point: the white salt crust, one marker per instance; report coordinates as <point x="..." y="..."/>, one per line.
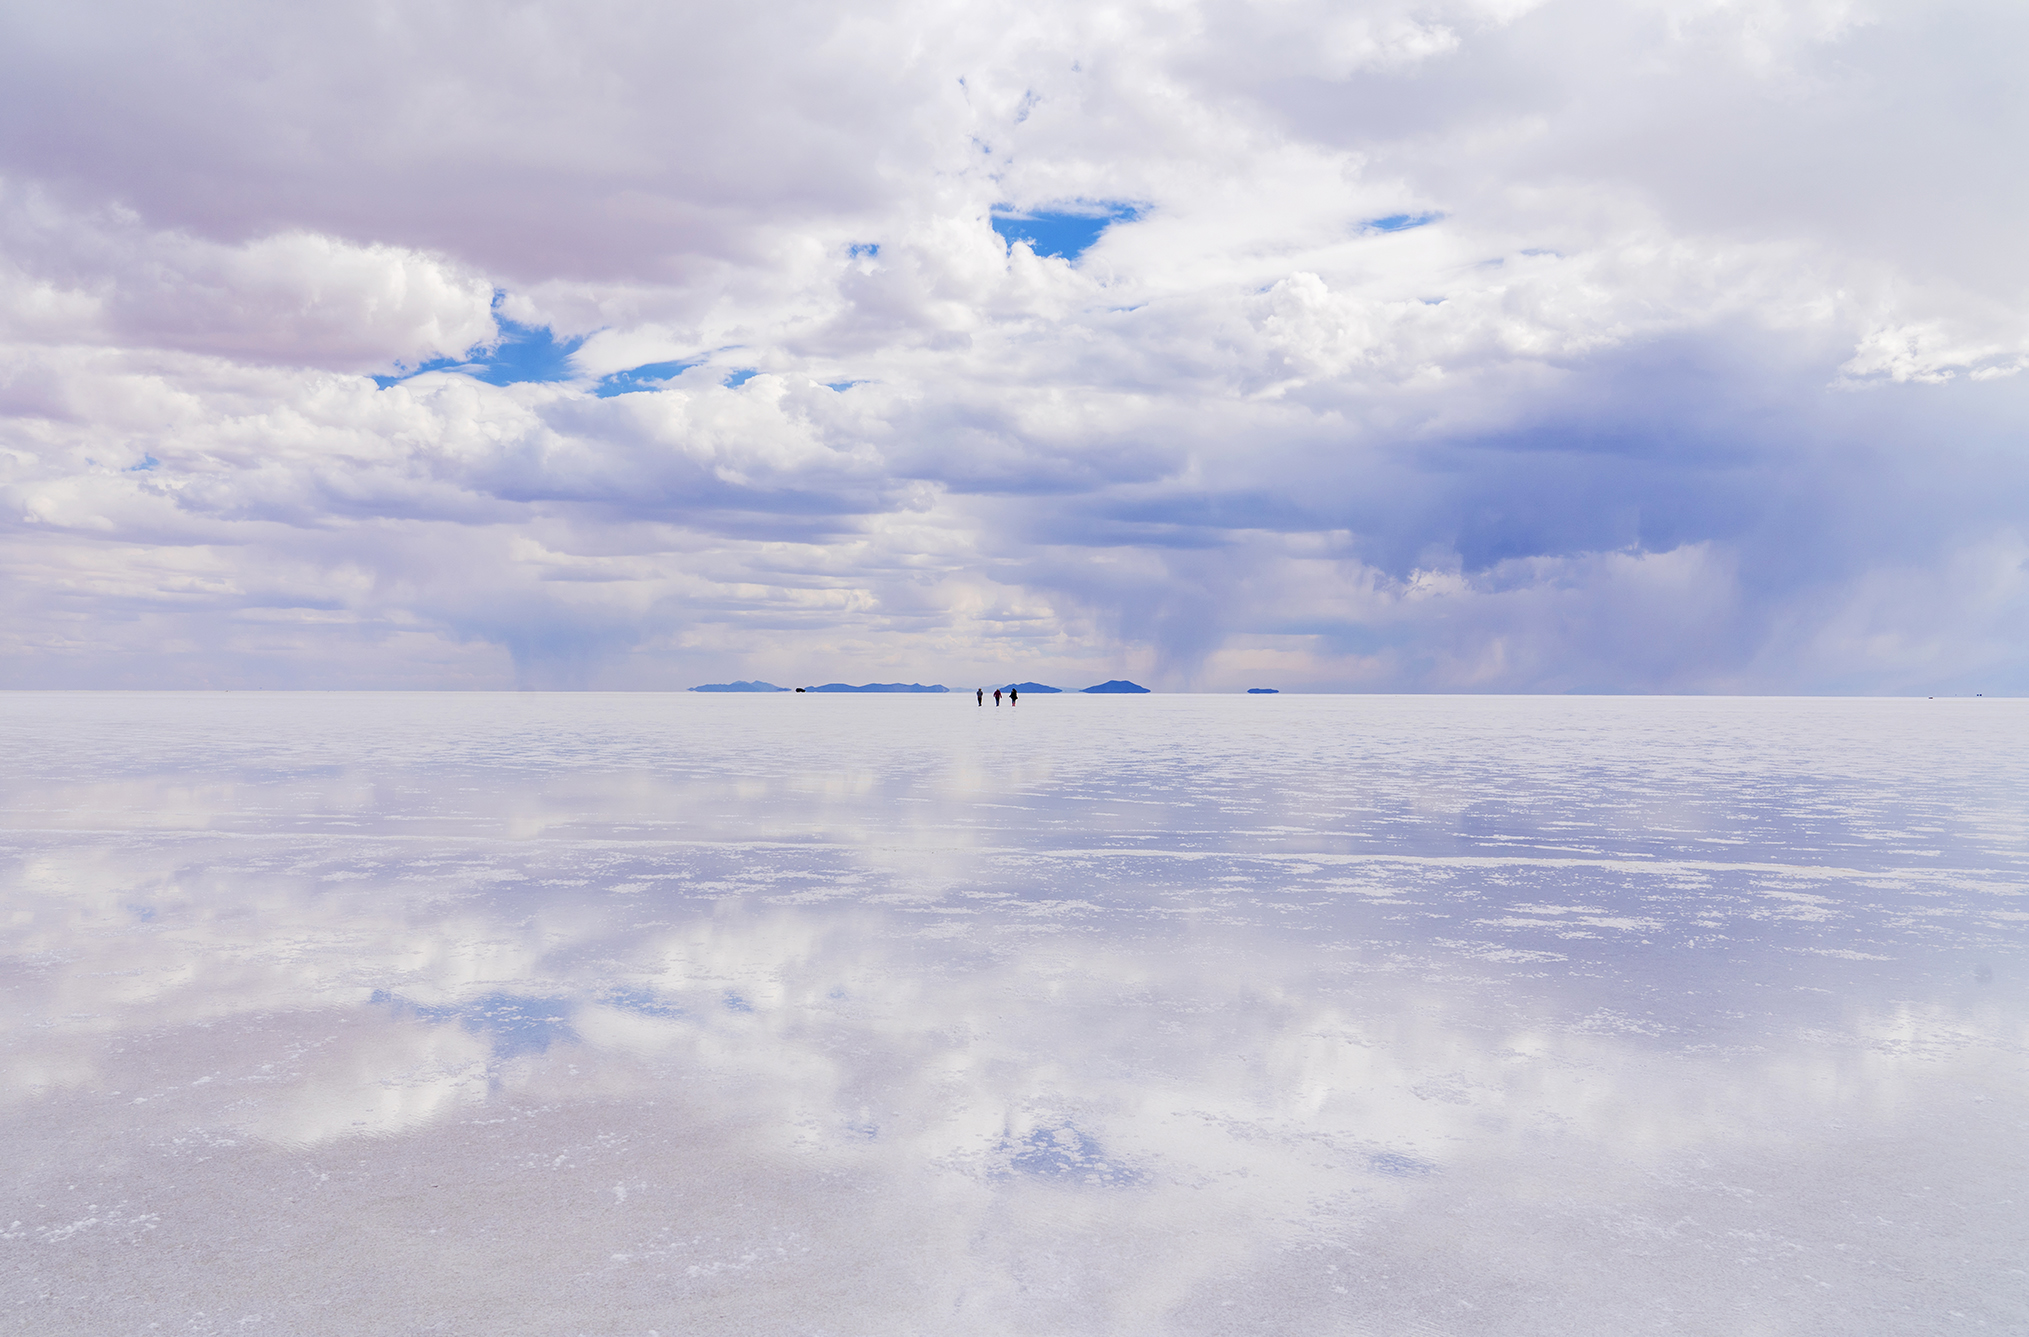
<point x="639" y="1014"/>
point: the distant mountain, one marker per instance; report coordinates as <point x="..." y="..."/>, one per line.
<point x="880" y="687"/>
<point x="1035" y="687"/>
<point x="1263" y="691"/>
<point x="739" y="687"/>
<point x="1118" y="685"/>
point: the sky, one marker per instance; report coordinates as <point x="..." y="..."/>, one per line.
<point x="1472" y="345"/>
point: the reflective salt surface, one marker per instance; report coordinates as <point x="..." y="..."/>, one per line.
<point x="750" y="1015"/>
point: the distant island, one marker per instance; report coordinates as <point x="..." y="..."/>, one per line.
<point x="1263" y="691"/>
<point x="1117" y="685"/>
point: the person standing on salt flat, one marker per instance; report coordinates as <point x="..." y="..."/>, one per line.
<point x="996" y="696"/>
<point x="1014" y="694"/>
<point x="981" y="694"/>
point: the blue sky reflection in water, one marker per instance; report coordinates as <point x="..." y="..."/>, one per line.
<point x="889" y="1015"/>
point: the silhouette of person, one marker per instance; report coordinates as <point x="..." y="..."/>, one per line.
<point x="982" y="696"/>
<point x="1014" y="695"/>
<point x="996" y="696"/>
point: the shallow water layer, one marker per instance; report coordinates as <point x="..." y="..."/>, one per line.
<point x="634" y="1014"/>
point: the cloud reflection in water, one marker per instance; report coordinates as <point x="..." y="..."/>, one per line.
<point x="1337" y="1029"/>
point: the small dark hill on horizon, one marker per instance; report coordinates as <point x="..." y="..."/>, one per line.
<point x="880" y="687"/>
<point x="1034" y="687"/>
<point x="1264" y="691"/>
<point x="756" y="686"/>
<point x="1117" y="685"/>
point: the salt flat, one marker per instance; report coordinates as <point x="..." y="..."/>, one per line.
<point x="640" y="1014"/>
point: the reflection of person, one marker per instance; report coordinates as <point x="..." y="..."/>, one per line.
<point x="996" y="696"/>
<point x="1014" y="694"/>
<point x="981" y="694"/>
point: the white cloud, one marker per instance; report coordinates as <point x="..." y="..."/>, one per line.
<point x="1502" y="346"/>
<point x="103" y="278"/>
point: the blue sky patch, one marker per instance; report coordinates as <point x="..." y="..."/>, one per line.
<point x="147" y="462"/>
<point x="647" y="376"/>
<point x="740" y="378"/>
<point x="1064" y="232"/>
<point x="1399" y="222"/>
<point x="869" y="249"/>
<point x="517" y="353"/>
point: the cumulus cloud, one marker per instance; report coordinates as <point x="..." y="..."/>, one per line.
<point x="1492" y="346"/>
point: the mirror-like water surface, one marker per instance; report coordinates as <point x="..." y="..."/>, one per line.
<point x="749" y="1015"/>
